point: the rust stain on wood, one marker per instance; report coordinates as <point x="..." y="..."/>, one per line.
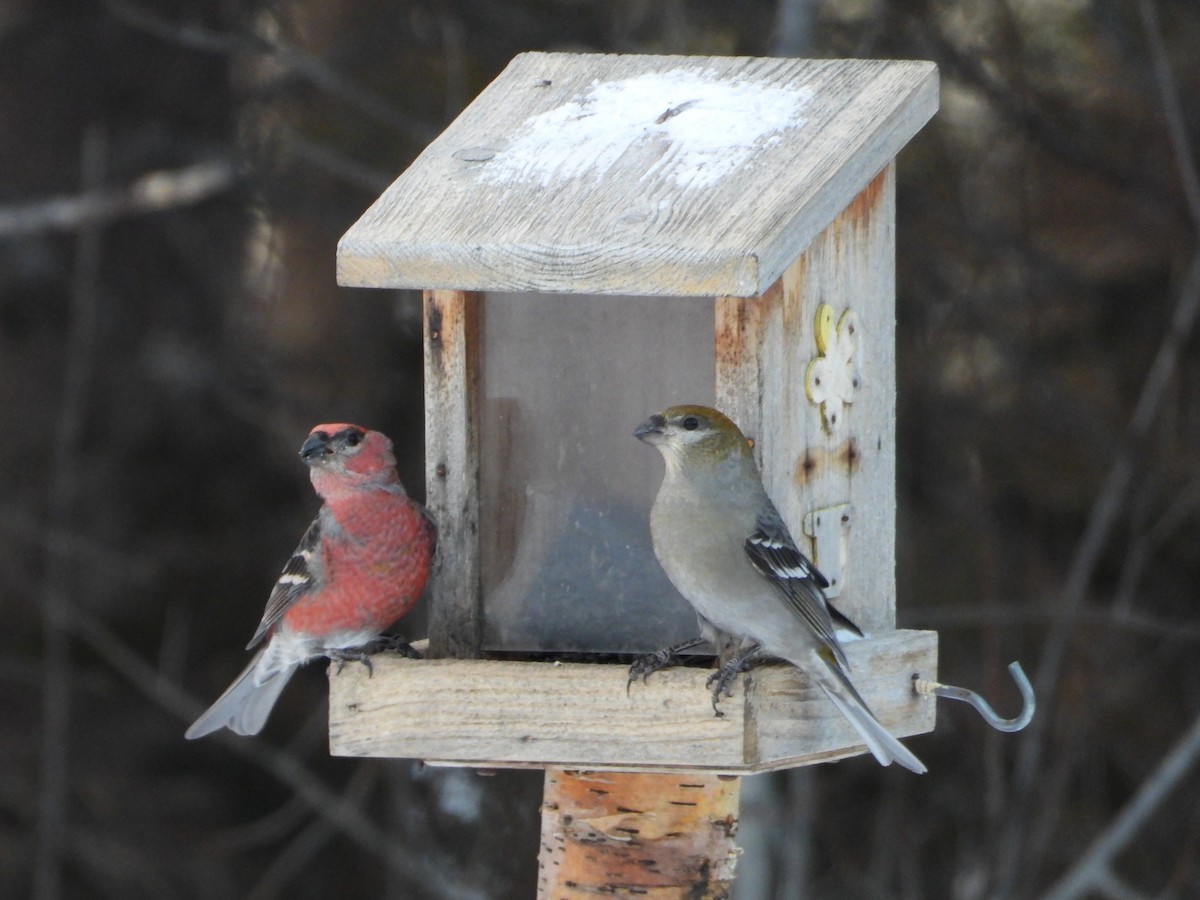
<point x="451" y="327"/>
<point x="862" y="210"/>
<point x="814" y="461"/>
<point x="738" y="326"/>
<point x="435" y="305"/>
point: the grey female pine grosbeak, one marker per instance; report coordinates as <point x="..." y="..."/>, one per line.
<point x="726" y="549"/>
<point x="360" y="566"/>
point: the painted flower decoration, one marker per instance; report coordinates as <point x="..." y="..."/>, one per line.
<point x="832" y="378"/>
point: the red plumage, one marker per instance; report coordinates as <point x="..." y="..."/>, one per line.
<point x="361" y="565"/>
<point x="374" y="574"/>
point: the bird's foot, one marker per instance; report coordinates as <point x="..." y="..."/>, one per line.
<point x="394" y="643"/>
<point x="341" y="656"/>
<point x="721" y="684"/>
<point x="647" y="664"/>
<point x="721" y="681"/>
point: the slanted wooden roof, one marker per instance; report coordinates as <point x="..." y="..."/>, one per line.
<point x="653" y="175"/>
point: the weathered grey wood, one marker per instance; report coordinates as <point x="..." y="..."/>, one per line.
<point x="806" y="218"/>
<point x="481" y="209"/>
<point x="452" y="469"/>
<point x="764" y="347"/>
<point x="498" y="714"/>
<point x="738" y="352"/>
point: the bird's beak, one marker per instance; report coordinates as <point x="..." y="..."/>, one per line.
<point x="316" y="449"/>
<point x="651" y="431"/>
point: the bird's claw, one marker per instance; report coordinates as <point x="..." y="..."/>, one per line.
<point x="721" y="681"/>
<point x="342" y="656"/>
<point x="397" y="644"/>
<point x="393" y="642"/>
<point x="647" y="664"/>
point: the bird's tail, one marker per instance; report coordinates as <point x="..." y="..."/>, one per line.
<point x="245" y="705"/>
<point x="885" y="748"/>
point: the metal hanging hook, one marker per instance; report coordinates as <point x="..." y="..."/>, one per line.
<point x="982" y="706"/>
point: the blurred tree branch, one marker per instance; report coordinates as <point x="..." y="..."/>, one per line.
<point x="1185" y="158"/>
<point x="1026" y="111"/>
<point x="59" y="578"/>
<point x="95" y="206"/>
<point x="1041" y="612"/>
<point x="428" y="867"/>
<point x="304" y="65"/>
<point x="1102" y="522"/>
<point x="1094" y="868"/>
<point x="1112" y="497"/>
<point x="299" y="852"/>
<point x="66" y="543"/>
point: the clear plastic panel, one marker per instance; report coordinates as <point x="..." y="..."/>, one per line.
<point x="566" y="489"/>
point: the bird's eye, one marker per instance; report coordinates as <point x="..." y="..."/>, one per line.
<point x="354" y="438"/>
<point x="691" y="423"/>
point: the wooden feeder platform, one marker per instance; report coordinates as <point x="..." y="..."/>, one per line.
<point x="494" y="714"/>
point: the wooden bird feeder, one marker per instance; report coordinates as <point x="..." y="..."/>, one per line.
<point x="599" y="237"/>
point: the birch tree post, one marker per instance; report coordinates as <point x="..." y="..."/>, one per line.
<point x="599" y="237"/>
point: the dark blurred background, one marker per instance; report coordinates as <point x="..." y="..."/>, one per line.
<point x="173" y="180"/>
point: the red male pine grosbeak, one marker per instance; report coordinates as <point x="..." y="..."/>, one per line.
<point x="361" y="565"/>
<point x="725" y="548"/>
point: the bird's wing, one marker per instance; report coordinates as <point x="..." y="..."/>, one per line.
<point x="777" y="558"/>
<point x="296" y="580"/>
